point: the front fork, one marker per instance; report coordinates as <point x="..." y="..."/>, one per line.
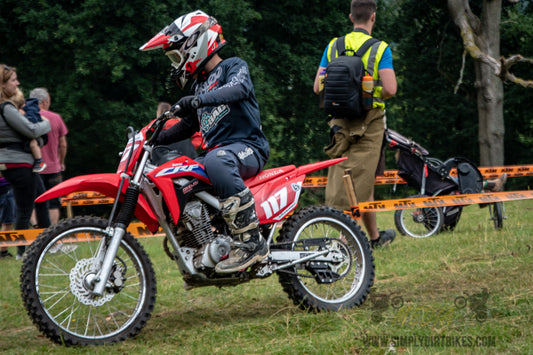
<point x="117" y="232"/>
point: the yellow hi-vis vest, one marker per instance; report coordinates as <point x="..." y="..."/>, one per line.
<point x="353" y="41"/>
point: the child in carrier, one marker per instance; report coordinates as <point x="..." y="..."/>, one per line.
<point x="30" y="109"/>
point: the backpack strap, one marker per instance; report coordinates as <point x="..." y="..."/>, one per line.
<point x="364" y="47"/>
<point x="341" y="49"/>
<point x="372" y="58"/>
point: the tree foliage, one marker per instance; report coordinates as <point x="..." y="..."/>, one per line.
<point x="87" y="54"/>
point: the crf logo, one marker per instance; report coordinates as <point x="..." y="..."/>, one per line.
<point x="275" y="203"/>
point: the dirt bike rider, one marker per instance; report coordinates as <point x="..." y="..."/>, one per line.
<point x="224" y="107"/>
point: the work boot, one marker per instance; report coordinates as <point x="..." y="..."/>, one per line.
<point x="385" y="238"/>
<point x="496" y="185"/>
<point x="249" y="247"/>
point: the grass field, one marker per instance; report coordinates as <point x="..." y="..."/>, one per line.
<point x="469" y="291"/>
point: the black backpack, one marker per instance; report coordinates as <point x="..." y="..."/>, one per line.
<point x="343" y="82"/>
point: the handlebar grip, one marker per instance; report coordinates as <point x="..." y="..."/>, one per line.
<point x="175" y="109"/>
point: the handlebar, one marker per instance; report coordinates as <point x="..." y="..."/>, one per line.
<point x="159" y="123"/>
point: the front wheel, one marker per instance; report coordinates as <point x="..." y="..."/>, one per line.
<point x="419" y="222"/>
<point x="56" y="281"/>
<point x="352" y="275"/>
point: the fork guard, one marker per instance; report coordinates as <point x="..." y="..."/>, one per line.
<point x="106" y="184"/>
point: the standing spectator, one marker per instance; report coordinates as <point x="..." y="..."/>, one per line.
<point x="162" y="107"/>
<point x="16" y="163"/>
<point x="55" y="151"/>
<point x="361" y="139"/>
<point x="7" y="212"/>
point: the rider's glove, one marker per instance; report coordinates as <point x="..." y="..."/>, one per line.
<point x="187" y="104"/>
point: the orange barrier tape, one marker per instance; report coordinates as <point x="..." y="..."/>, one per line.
<point x="27" y="236"/>
<point x="89" y="201"/>
<point x="82" y="195"/>
<point x="441" y="201"/>
<point x="391" y="177"/>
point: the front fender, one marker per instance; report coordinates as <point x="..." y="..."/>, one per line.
<point x="106" y="184"/>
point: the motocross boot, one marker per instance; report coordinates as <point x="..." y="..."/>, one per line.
<point x="249" y="246"/>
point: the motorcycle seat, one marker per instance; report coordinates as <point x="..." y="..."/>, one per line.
<point x="267" y="175"/>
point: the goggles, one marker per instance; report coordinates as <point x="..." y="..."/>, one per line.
<point x="176" y="58"/>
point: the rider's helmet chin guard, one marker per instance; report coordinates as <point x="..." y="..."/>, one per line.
<point x="189" y="42"/>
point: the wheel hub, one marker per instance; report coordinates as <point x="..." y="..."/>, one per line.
<point x="419" y="217"/>
<point x="82" y="278"/>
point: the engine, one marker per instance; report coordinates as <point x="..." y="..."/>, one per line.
<point x="195" y="231"/>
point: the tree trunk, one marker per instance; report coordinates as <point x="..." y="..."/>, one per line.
<point x="482" y="41"/>
<point x="490" y="115"/>
<point x="490" y="88"/>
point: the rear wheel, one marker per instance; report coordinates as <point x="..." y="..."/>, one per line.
<point x="348" y="279"/>
<point x="496" y="211"/>
<point x="419" y="222"/>
<point x="56" y="285"/>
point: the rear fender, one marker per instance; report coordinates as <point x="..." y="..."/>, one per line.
<point x="106" y="184"/>
<point x="309" y="168"/>
<point x="279" y="194"/>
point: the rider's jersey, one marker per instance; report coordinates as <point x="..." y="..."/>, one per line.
<point x="230" y="112"/>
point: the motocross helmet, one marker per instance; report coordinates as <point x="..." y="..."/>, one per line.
<point x="189" y="42"/>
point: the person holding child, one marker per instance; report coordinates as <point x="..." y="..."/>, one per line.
<point x="16" y="162"/>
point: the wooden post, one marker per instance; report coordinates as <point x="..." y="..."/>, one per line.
<point x="69" y="210"/>
<point x="350" y="192"/>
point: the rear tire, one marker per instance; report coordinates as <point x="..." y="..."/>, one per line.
<point x="496" y="211"/>
<point x="419" y="222"/>
<point x="356" y="270"/>
<point x="55" y="289"/>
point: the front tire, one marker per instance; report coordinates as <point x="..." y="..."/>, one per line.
<point x="356" y="271"/>
<point x="55" y="285"/>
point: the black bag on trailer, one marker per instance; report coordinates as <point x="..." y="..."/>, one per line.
<point x="411" y="169"/>
<point x="470" y="181"/>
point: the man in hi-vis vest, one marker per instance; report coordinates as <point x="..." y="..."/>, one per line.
<point x="361" y="140"/>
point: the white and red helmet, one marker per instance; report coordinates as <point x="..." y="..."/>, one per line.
<point x="189" y="42"/>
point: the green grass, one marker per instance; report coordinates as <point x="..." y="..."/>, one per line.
<point x="426" y="275"/>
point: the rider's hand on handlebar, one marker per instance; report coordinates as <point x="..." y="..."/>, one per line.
<point x="186" y="105"/>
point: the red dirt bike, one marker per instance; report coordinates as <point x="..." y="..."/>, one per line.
<point x="87" y="281"/>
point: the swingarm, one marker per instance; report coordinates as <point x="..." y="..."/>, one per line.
<point x="320" y="250"/>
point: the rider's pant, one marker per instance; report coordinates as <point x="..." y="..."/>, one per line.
<point x="229" y="165"/>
